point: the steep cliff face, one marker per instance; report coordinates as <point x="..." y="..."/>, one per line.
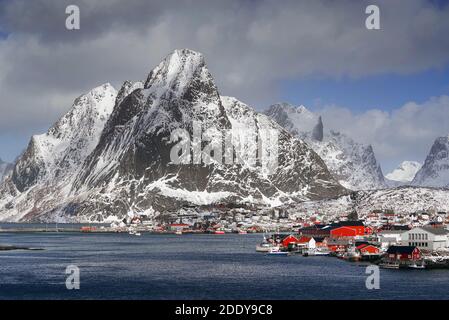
<point x="435" y="170"/>
<point x="108" y="162"/>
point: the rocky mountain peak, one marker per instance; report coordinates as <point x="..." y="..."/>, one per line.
<point x="177" y="73"/>
<point x="435" y="170"/>
<point x="318" y="130"/>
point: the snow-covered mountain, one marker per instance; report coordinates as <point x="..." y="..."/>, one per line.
<point x="5" y="169"/>
<point x="404" y="173"/>
<point x="435" y="170"/>
<point x="111" y="153"/>
<point x="353" y="164"/>
<point x="43" y="174"/>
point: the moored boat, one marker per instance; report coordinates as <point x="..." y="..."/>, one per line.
<point x="277" y="251"/>
<point x="389" y="265"/>
<point x="417" y="266"/>
<point x="265" y="247"/>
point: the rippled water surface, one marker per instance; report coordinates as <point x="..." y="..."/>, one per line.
<point x="121" y="266"/>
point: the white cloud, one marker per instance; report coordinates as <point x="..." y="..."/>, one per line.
<point x="406" y="133"/>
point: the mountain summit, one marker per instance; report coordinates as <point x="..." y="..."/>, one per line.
<point x="112" y="153"/>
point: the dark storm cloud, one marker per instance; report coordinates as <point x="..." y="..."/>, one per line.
<point x="250" y="46"/>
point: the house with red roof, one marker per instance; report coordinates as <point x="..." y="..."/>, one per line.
<point x="368" y="249"/>
<point x="290" y="239"/>
<point x="307" y="242"/>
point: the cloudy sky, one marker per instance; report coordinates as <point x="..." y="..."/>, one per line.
<point x="387" y="87"/>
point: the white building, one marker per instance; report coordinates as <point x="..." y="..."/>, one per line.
<point x="426" y="238"/>
<point x="389" y="238"/>
<point x="307" y="242"/>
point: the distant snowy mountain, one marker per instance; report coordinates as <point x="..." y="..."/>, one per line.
<point x="404" y="173"/>
<point x="354" y="165"/>
<point x="5" y="169"/>
<point x="297" y="120"/>
<point x="111" y="153"/>
<point x="435" y="170"/>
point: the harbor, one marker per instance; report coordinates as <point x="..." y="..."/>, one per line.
<point x="353" y="242"/>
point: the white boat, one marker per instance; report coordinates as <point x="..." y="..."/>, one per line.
<point x="320" y="253"/>
<point x="134" y="232"/>
<point x="389" y="265"/>
<point x="416" y="266"/>
<point x="276" y="251"/>
<point x="178" y="232"/>
<point x="265" y="247"/>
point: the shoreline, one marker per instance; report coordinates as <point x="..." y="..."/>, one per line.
<point x="73" y="230"/>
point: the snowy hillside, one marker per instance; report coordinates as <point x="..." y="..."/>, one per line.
<point x="400" y="200"/>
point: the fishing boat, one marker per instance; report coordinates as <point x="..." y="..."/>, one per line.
<point x="389" y="265"/>
<point x="276" y="251"/>
<point x="351" y="254"/>
<point x="265" y="245"/>
<point x="134" y="233"/>
<point x="219" y="232"/>
<point x="417" y="266"/>
<point x="178" y="232"/>
<point x="321" y="253"/>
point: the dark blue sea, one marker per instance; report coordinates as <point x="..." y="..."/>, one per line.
<point x="122" y="266"/>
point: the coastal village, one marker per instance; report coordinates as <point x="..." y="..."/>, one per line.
<point x="393" y="240"/>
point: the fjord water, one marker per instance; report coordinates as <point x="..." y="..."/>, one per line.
<point x="122" y="266"/>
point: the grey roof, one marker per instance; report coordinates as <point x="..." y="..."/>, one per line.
<point x="401" y="249"/>
<point x="392" y="231"/>
<point x="436" y="231"/>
